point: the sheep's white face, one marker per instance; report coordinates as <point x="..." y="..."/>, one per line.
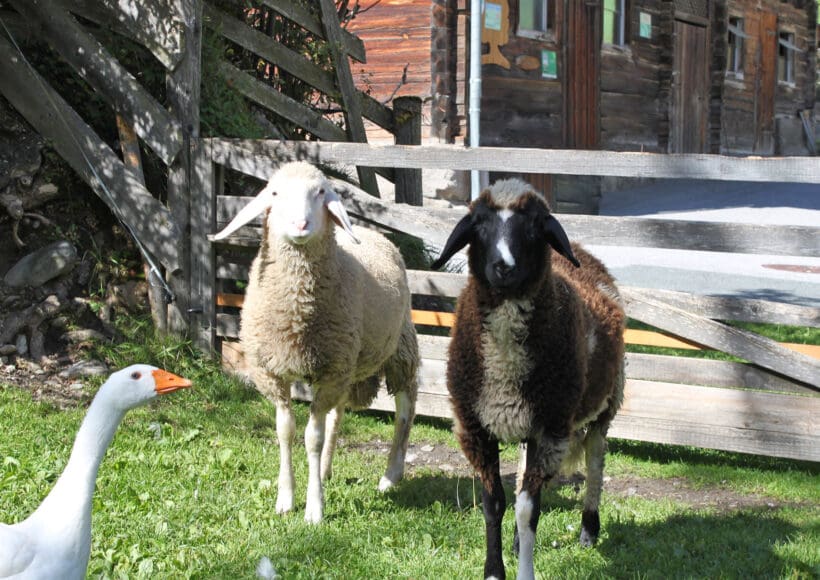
<point x="299" y="201"/>
<point x="297" y="213"/>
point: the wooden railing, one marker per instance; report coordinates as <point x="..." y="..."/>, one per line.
<point x="765" y="401"/>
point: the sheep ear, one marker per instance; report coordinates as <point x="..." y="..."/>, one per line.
<point x="262" y="201"/>
<point x="557" y="238"/>
<point x="337" y="210"/>
<point x="461" y="235"/>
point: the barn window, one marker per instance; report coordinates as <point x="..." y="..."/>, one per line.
<point x="785" y="57"/>
<point x="615" y="22"/>
<point x="535" y="17"/>
<point x="735" y="49"/>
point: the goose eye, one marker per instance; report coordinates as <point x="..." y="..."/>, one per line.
<point x="321" y="192"/>
<point x="136" y="375"/>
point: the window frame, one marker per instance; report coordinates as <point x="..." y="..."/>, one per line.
<point x="786" y="52"/>
<point x="549" y="24"/>
<point x="736" y="51"/>
<point x="621" y="29"/>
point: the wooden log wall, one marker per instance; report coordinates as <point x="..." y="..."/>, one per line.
<point x="741" y="94"/>
<point x="631" y="106"/>
<point x="397" y="39"/>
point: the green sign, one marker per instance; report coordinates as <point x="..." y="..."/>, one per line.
<point x="549" y="64"/>
<point x="645" y="28"/>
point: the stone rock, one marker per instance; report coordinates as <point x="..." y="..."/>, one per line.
<point x="21" y="345"/>
<point x="7" y="349"/>
<point x="86" y="368"/>
<point x="45" y="264"/>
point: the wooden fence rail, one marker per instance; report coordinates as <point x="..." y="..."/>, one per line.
<point x="763" y="402"/>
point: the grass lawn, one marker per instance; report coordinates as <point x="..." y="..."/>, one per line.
<point x="187" y="490"/>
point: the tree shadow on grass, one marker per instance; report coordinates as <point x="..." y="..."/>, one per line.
<point x="691" y="544"/>
<point x="702" y="545"/>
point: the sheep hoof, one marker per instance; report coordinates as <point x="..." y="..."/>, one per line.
<point x="313" y="514"/>
<point x="385" y="483"/>
<point x="284" y="505"/>
<point x="587" y="539"/>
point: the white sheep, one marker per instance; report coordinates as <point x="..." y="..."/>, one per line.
<point x="536" y="356"/>
<point x="330" y="310"/>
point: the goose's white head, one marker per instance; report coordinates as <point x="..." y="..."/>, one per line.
<point x="138" y="384"/>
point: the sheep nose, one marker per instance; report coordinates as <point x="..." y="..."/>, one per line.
<point x="301" y="225"/>
<point x="502" y="269"/>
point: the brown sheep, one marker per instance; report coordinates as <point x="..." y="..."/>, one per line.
<point x="536" y="356"/>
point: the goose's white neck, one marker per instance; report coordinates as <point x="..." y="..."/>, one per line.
<point x="65" y="514"/>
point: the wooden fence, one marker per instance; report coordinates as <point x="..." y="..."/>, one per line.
<point x="766" y="403"/>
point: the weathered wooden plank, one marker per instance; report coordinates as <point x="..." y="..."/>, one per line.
<point x="559" y="161"/>
<point x="157" y="128"/>
<point x="281" y="104"/>
<point x="294" y="11"/>
<point x="727" y="419"/>
<point x="344" y="81"/>
<point x="708" y="373"/>
<point x="294" y="63"/>
<point x="745" y="345"/>
<point x="203" y="253"/>
<point x="152" y="23"/>
<point x="728" y="308"/>
<point x="89" y="156"/>
<point x="182" y="87"/>
<point x="131" y="157"/>
<point x="716" y="307"/>
<point x="668" y="369"/>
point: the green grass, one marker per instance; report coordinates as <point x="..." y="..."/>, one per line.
<point x="196" y="498"/>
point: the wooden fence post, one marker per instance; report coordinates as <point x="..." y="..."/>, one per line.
<point x="182" y="86"/>
<point x="407" y="121"/>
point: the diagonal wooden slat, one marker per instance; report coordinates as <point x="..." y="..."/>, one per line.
<point x="353" y="45"/>
<point x="155" y="126"/>
<point x="89" y="156"/>
<point x="344" y="81"/>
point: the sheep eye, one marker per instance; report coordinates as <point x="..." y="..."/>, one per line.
<point x="136" y="375"/>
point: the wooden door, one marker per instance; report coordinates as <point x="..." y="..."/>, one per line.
<point x="766" y="83"/>
<point x="690" y="89"/>
<point x="582" y="74"/>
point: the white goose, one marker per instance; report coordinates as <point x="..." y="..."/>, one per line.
<point x="55" y="541"/>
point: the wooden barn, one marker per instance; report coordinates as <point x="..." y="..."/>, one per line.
<point x="734" y="77"/>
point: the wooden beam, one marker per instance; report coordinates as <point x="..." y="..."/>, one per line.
<point x="151" y="23"/>
<point x="131" y="157"/>
<point x="89" y="156"/>
<point x="434" y="225"/>
<point x="296" y="64"/>
<point x="730" y="308"/>
<point x="281" y="104"/>
<point x="203" y="254"/>
<point x="294" y="11"/>
<point x="351" y="106"/>
<point x="182" y="87"/>
<point x="740" y="343"/>
<point x="558" y="161"/>
<point x="115" y="85"/>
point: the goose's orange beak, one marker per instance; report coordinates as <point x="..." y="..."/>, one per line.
<point x="168" y="382"/>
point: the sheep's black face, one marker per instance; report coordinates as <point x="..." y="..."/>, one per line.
<point x="508" y="249"/>
<point x="509" y="242"/>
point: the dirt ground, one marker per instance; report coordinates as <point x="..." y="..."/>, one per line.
<point x="425" y="457"/>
